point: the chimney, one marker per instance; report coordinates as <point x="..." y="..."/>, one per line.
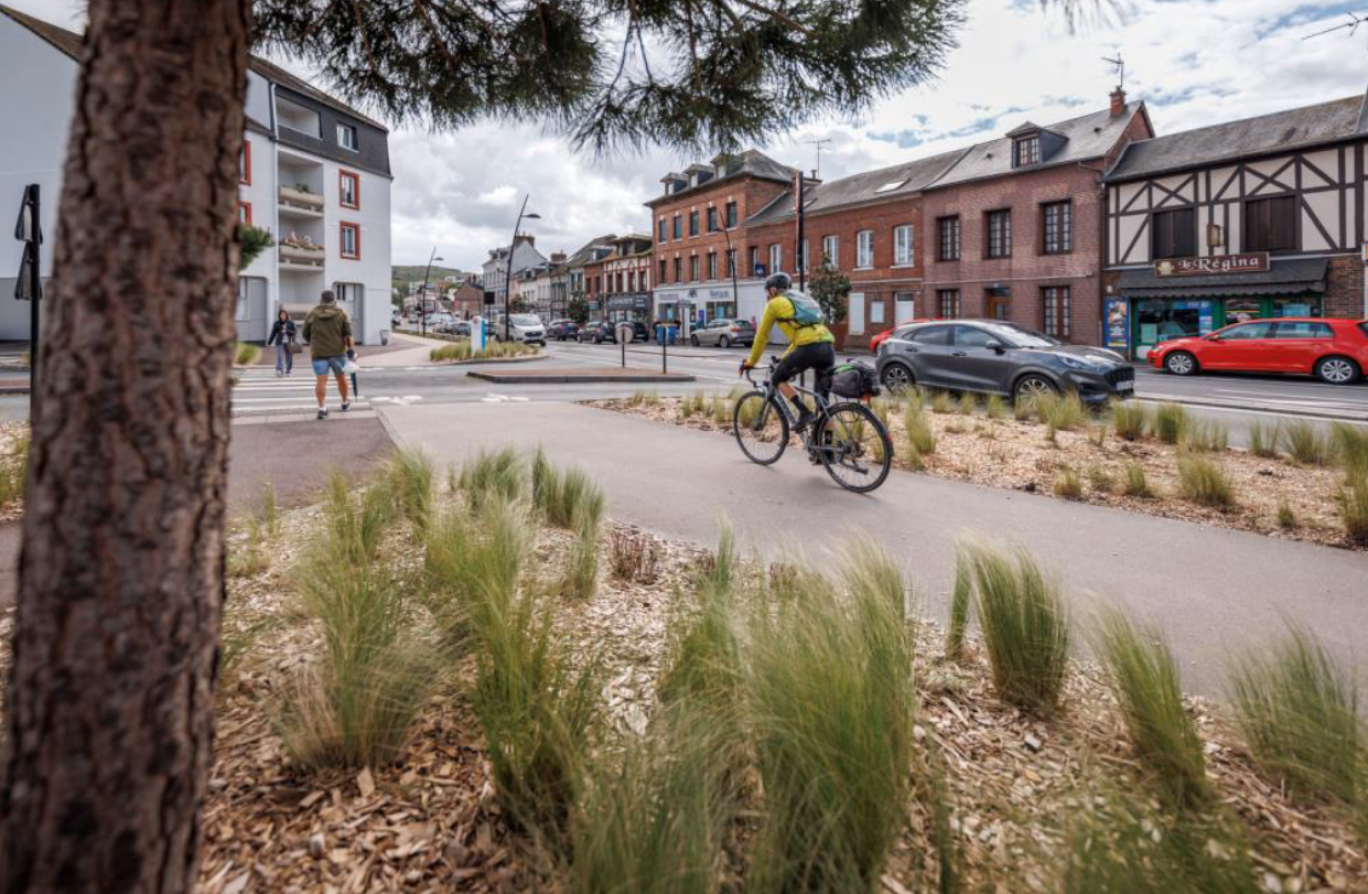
<point x="557" y="257"/>
<point x="1118" y="102"/>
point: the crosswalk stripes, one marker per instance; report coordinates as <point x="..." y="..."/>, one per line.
<point x="262" y="391"/>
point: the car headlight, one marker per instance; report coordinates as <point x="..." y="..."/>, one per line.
<point x="1073" y="362"/>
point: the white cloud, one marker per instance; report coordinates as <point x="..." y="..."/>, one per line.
<point x="1195" y="62"/>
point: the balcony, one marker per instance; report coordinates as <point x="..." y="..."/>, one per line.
<point x="300" y="201"/>
<point x="302" y="255"/>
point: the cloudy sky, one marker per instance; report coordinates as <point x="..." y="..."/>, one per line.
<point x="1195" y="62"/>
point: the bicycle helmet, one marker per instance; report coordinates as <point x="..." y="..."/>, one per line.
<point x="781" y="281"/>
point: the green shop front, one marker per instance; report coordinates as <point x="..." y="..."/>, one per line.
<point x="1195" y="296"/>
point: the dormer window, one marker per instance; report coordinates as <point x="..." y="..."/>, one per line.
<point x="1026" y="151"/>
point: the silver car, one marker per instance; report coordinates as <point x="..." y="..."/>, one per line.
<point x="723" y="334"/>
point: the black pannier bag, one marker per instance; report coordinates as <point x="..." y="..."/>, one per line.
<point x="854" y="380"/>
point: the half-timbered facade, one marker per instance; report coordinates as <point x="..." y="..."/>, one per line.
<point x="1262" y="217"/>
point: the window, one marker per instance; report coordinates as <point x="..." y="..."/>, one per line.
<point x="245" y="164"/>
<point x="664" y="271"/>
<point x="948" y="303"/>
<point x="300" y="119"/>
<point x="662" y="230"/>
<point x="346" y="137"/>
<point x="1026" y="151"/>
<point x="876" y="311"/>
<point x="754" y="260"/>
<point x="1056" y="301"/>
<point x="1271" y="224"/>
<point x="902" y="246"/>
<point x="678" y="229"/>
<point x="1057" y="226"/>
<point x="973" y="337"/>
<point x="693" y="268"/>
<point x="999" y="234"/>
<point x="1175" y="233"/>
<point x="1248" y="331"/>
<point x="949" y="238"/>
<point x="731" y="263"/>
<point x="712" y="219"/>
<point x="349" y="191"/>
<point x="712" y="265"/>
<point x="351" y="241"/>
<point x="349" y="293"/>
<point x="931" y="335"/>
<point x="1303" y="329"/>
<point x="831" y="251"/>
<point x="245" y="213"/>
<point x="776" y="258"/>
<point x="693" y="223"/>
<point x="731" y="215"/>
<point x="864" y="249"/>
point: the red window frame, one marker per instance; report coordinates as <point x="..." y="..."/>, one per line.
<point x="245" y="213"/>
<point x="245" y="163"/>
<point x="341" y="241"/>
<point x="355" y="178"/>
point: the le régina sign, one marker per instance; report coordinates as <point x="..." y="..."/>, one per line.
<point x="1254" y="262"/>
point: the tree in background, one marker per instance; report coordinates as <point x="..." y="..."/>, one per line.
<point x="108" y="723"/>
<point x="830" y="288"/>
<point x="578" y="308"/>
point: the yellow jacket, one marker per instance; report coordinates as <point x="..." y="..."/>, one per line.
<point x="780" y="310"/>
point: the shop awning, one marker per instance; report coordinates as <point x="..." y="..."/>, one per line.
<point x="1295" y="276"/>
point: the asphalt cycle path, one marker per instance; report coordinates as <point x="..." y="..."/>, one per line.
<point x="1210" y="589"/>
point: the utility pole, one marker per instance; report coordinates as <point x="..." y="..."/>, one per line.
<point x="508" y="279"/>
<point x="800" y="260"/>
<point x="817" y="172"/>
<point x="422" y="300"/>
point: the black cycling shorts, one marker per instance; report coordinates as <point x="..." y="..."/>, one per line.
<point x="819" y="356"/>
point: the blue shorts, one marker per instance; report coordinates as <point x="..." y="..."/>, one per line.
<point x="323" y="365"/>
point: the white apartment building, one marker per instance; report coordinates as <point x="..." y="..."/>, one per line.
<point x="314" y="172"/>
<point x="495" y="272"/>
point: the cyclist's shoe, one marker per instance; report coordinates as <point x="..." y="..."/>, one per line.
<point x="805" y="419"/>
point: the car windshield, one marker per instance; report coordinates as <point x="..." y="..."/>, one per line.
<point x="1020" y="337"/>
<point x="526" y="320"/>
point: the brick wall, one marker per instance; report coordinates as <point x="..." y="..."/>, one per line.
<point x="750" y="196"/>
<point x="1027" y="271"/>
<point x="1344" y="288"/>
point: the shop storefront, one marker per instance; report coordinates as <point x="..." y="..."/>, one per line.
<point x="629" y="308"/>
<point x="1146" y="307"/>
<point x="700" y="305"/>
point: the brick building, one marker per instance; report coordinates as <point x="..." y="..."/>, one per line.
<point x="1259" y="218"/>
<point x="1014" y="228"/>
<point x="698" y="224"/>
<point x="618" y="284"/>
<point x="869" y="227"/>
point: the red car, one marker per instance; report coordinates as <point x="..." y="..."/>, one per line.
<point x="1335" y="351"/>
<point x="887" y="334"/>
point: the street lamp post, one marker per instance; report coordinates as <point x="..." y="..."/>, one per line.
<point x="732" y="262"/>
<point x="426" y="274"/>
<point x="508" y="279"/>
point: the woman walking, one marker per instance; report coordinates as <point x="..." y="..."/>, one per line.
<point x="283" y="337"/>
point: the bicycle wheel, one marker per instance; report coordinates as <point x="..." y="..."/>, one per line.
<point x="854" y="447"/>
<point x="760" y="427"/>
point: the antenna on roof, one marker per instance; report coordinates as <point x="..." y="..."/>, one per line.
<point x="1120" y="64"/>
<point x="817" y="174"/>
<point x="1352" y="25"/>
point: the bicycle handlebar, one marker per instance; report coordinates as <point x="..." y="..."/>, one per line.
<point x="747" y="370"/>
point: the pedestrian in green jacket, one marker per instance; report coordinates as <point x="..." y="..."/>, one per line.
<point x="328" y="333"/>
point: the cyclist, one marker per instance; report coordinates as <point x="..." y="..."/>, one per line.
<point x="811" y="344"/>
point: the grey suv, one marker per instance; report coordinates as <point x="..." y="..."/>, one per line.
<point x="993" y="357"/>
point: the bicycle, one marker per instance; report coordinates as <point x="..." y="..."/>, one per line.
<point x="846" y="437"/>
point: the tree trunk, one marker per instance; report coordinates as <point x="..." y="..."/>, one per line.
<point x="108" y="720"/>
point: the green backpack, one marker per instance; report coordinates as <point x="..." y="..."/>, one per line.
<point x="806" y="311"/>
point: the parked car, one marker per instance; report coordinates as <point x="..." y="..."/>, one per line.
<point x="884" y="336"/>
<point x="993" y="357"/>
<point x="597" y="332"/>
<point x="526" y="328"/>
<point x="1335" y="351"/>
<point x="562" y="330"/>
<point x="724" y="334"/>
<point x="461" y="328"/>
<point x="440" y="323"/>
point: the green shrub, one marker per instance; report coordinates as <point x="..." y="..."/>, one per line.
<point x="582" y="566"/>
<point x="941" y="402"/>
<point x="1100" y="480"/>
<point x="1351" y="445"/>
<point x="961" y="599"/>
<point x="1168" y="422"/>
<point x="452" y="353"/>
<point x="411" y="482"/>
<point x="246" y="354"/>
<point x="473" y="563"/>
<point x="1206" y="436"/>
<point x="1307" y="445"/>
<point x="995" y="406"/>
<point x="921" y="438"/>
<point x="1287" y="519"/>
<point x="1025" y="408"/>
<point x="1024" y="628"/>
<point x="703" y="660"/>
<point x="1353" y="501"/>
<point x="270" y="516"/>
<point x="497" y="474"/>
<point x="967" y="403"/>
<point x="1067" y="484"/>
<point x="1203" y="481"/>
<point x="564" y="497"/>
<point x="460" y="351"/>
<point x="1135" y="484"/>
<point x="1061" y="412"/>
<point x="14" y="468"/>
<point x="1264" y="438"/>
<point x="1144" y="677"/>
<point x="1298" y="712"/>
<point x="358" y="520"/>
<point x="830" y="695"/>
<point x="1128" y="418"/>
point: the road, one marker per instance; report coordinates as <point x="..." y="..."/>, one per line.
<point x="1211" y="589"/>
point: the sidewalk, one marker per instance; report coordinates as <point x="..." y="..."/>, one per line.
<point x="1210" y="589"/>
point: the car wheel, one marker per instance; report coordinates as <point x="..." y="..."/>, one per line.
<point x="1032" y="386"/>
<point x="1180" y="363"/>
<point x="693" y="340"/>
<point x="1337" y="370"/>
<point x="724" y="342"/>
<point x="896" y="377"/>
